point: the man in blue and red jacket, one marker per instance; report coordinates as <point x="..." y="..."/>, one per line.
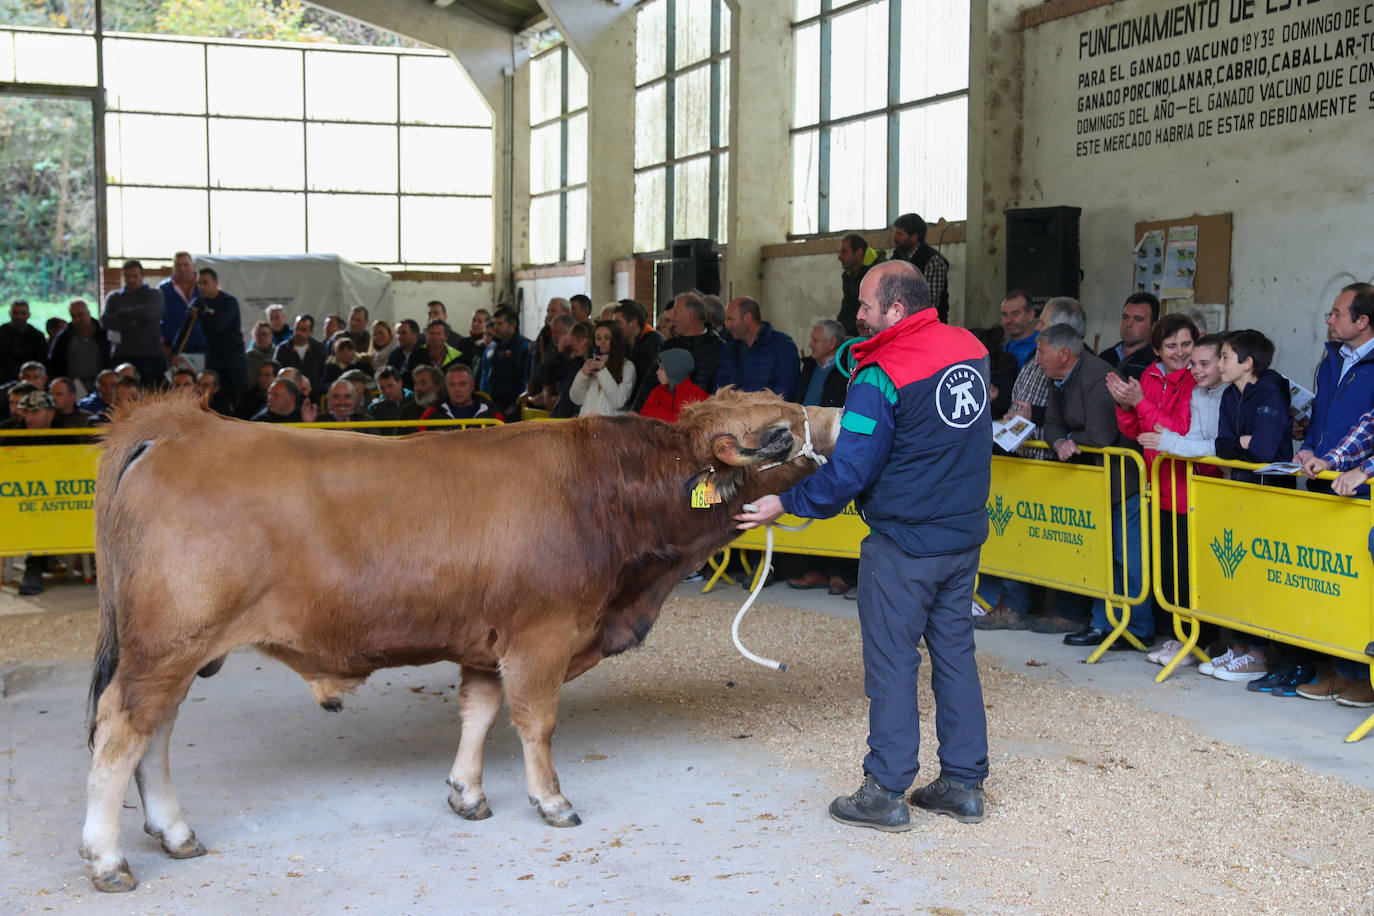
<point x="914" y="454"/>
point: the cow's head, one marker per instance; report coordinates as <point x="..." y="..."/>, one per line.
<point x="759" y="430"/>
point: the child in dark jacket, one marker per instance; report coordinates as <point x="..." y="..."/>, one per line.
<point x="1254" y="424"/>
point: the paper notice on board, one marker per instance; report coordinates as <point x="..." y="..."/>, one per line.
<point x="1149" y="262"/>
<point x="1180" y="262"/>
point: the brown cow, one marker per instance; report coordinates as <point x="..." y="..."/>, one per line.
<point x="609" y="495"/>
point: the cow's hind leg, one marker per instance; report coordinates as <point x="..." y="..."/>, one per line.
<point x="161" y="813"/>
<point x="118" y="748"/>
<point x="533" y="676"/>
<point x="480" y="696"/>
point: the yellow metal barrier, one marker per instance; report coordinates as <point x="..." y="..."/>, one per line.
<point x="1051" y="524"/>
<point x="1284" y="564"/>
<point x="47" y="492"/>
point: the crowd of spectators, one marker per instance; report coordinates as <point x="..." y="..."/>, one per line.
<point x="1169" y="388"/>
<point x="1166" y="387"/>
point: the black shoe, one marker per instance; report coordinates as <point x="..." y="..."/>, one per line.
<point x="1091" y="636"/>
<point x="1121" y="645"/>
<point x="873" y="806"/>
<point x="952" y="800"/>
<point x="32" y="583"/>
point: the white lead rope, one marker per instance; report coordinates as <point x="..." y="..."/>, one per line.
<point x="759" y="579"/>
<point x="807" y="451"/>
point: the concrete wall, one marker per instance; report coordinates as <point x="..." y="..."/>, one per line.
<point x="1298" y="190"/>
<point x="799" y="288"/>
<point x="539" y="286"/>
<point x="460" y="297"/>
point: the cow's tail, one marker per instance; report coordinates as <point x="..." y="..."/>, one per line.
<point x="120" y="453"/>
<point x="106" y="658"/>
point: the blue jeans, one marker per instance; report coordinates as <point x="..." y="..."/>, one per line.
<point x="1142" y="623"/>
<point x="1014" y="594"/>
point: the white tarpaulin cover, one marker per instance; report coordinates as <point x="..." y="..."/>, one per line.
<point x="314" y="284"/>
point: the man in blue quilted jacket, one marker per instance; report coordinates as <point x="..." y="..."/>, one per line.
<point x="756" y="356"/>
<point x="915" y="455"/>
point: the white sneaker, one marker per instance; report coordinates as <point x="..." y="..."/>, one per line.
<point x="978" y="610"/>
<point x="1220" y="661"/>
<point x="1241" y="668"/>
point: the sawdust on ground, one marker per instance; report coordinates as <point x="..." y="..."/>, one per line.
<point x="1095" y="804"/>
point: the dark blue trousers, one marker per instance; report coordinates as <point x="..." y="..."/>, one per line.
<point x="902" y="599"/>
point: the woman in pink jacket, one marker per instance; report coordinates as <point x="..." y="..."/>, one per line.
<point x="1160" y="401"/>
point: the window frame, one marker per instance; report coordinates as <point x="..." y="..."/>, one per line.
<point x="562" y="118"/>
<point x="892" y="111"/>
<point x="718" y="145"/>
<point x="397" y="125"/>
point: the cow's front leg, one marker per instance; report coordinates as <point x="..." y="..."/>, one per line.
<point x="533" y="679"/>
<point x="480" y="697"/>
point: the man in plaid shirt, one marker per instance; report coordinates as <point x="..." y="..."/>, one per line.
<point x="1354" y="455"/>
<point x="1010" y="599"/>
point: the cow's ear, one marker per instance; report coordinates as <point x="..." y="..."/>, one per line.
<point x="727" y="448"/>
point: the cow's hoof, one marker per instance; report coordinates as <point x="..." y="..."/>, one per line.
<point x="119" y="881"/>
<point x="566" y="818"/>
<point x="83" y="852"/>
<point x="474" y="812"/>
<point x="190" y="848"/>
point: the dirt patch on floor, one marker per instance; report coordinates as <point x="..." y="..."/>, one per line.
<point x="44" y="637"/>
<point x="1095" y="804"/>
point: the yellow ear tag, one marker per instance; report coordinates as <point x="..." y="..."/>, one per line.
<point x="704" y="494"/>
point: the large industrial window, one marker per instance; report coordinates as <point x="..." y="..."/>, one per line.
<point x="880" y="116"/>
<point x="558" y="157"/>
<point x="381" y="155"/>
<point x="682" y="118"/>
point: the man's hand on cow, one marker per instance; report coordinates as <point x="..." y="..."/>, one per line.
<point x="766" y="510"/>
<point x="1349" y="482"/>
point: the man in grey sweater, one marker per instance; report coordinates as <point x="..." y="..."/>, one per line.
<point x="133" y="319"/>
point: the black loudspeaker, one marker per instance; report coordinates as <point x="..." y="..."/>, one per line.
<point x="696" y="265"/>
<point x="1042" y="252"/>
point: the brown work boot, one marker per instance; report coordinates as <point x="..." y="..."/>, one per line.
<point x="1001" y="617"/>
<point x="812" y="579"/>
<point x="1328" y="688"/>
<point x="1361" y="695"/>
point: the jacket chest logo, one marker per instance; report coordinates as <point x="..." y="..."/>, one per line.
<point x="961" y="396"/>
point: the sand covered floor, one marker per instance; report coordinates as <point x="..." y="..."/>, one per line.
<point x="1096" y="804"/>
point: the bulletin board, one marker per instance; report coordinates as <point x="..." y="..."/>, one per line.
<point x="1211" y="291"/>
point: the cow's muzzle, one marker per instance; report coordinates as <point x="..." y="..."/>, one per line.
<point x="776" y="443"/>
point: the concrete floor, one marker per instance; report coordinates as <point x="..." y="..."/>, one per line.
<point x="317" y="813"/>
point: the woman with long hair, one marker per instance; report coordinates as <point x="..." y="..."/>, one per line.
<point x="383" y="342"/>
<point x="606" y="380"/>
